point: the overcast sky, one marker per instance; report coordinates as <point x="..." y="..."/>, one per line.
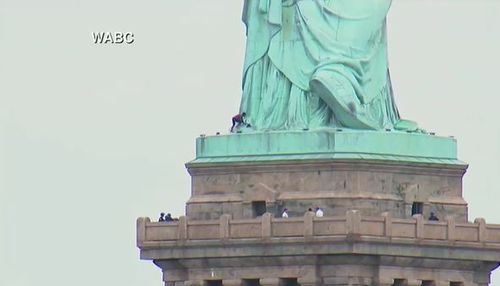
<point x="94" y="136"/>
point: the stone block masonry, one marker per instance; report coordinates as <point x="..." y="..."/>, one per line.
<point x="344" y="250"/>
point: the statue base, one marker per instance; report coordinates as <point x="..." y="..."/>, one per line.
<point x="367" y="183"/>
<point x="326" y="144"/>
<point x="371" y="171"/>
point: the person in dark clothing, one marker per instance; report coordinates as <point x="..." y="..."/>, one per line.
<point x="238" y="120"/>
<point x="433" y="217"/>
<point x="162" y="217"/>
<point x="169" y="217"/>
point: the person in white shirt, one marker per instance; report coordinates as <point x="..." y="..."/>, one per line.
<point x="319" y="212"/>
<point x="285" y="213"/>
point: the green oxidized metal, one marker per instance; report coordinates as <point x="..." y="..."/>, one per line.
<point x="316" y="86"/>
<point x="318" y="63"/>
<point x="327" y="144"/>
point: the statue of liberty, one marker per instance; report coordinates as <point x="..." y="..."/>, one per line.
<point x="318" y="63"/>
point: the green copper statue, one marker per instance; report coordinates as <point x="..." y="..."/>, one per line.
<point x="318" y="63"/>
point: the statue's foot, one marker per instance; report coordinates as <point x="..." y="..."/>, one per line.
<point x="348" y="111"/>
<point x="408" y="126"/>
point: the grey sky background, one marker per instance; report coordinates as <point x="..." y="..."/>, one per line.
<point x="94" y="136"/>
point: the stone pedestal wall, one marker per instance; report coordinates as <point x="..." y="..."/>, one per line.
<point x="348" y="250"/>
<point x="372" y="187"/>
<point x="370" y="171"/>
<point x="367" y="184"/>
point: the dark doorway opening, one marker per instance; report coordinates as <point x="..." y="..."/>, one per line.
<point x="289" y="282"/>
<point x="400" y="282"/>
<point x="213" y="283"/>
<point x="417" y="208"/>
<point x="258" y="208"/>
<point x="251" y="282"/>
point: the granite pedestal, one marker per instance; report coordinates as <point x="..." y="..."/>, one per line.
<point x="376" y="189"/>
<point x="371" y="171"/>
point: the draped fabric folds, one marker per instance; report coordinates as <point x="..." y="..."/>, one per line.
<point x="317" y="63"/>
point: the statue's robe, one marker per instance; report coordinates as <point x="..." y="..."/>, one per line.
<point x="317" y="63"/>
